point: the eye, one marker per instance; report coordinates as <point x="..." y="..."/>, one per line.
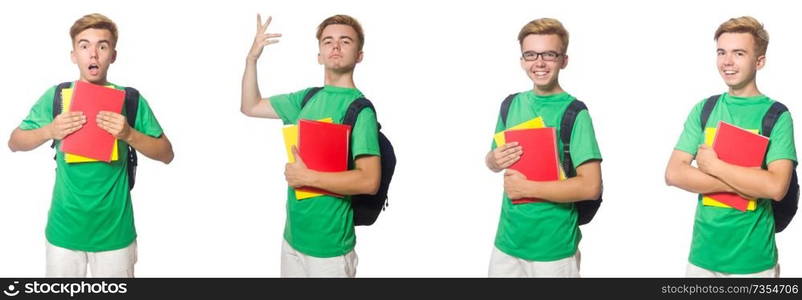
<point x="103" y="47"/>
<point x="550" y="54"/>
<point x="83" y="46"/>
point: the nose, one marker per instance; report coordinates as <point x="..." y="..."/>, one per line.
<point x="93" y="52"/>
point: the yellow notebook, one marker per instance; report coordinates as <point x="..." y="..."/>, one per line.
<point x="66" y="98"/>
<point x="531" y="124"/>
<point x="290" y="133"/>
<point x="710" y="134"/>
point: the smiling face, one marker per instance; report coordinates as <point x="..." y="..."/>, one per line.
<point x="544" y="74"/>
<point x="339" y="48"/>
<point x="93" y="51"/>
<point x="737" y="60"/>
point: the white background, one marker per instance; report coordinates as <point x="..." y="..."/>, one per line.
<point x="437" y="71"/>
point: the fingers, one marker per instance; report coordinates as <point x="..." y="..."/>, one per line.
<point x="269" y="19"/>
<point x="260" y="28"/>
<point x="508" y="161"/>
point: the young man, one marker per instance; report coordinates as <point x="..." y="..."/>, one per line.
<point x="91" y="218"/>
<point x="541" y="239"/>
<point x="726" y="241"/>
<point x="319" y="233"/>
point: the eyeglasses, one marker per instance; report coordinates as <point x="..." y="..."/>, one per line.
<point x="547" y="56"/>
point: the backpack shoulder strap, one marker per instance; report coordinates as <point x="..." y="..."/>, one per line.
<point x="131" y="105"/>
<point x="505" y="108"/>
<point x="566" y="128"/>
<point x="311" y="93"/>
<point x="771" y="117"/>
<point x="707" y="109"/>
<point x="57" y="103"/>
<point x="354" y="109"/>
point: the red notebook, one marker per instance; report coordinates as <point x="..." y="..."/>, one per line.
<point x="739" y="147"/>
<point x="539" y="161"/>
<point x="323" y="147"/>
<point x="92" y="141"/>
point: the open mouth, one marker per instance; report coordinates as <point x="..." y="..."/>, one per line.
<point x="730" y="72"/>
<point x="93" y="69"/>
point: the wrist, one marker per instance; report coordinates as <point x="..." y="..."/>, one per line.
<point x="48" y="132"/>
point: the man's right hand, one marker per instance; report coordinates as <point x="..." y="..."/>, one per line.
<point x="262" y="38"/>
<point x="504" y="156"/>
<point x="66" y="123"/>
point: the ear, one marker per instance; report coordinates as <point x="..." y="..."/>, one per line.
<point x="565" y="62"/>
<point x="73" y="57"/>
<point x="319" y="59"/>
<point x="359" y="56"/>
<point x="113" y="56"/>
<point x="761" y="62"/>
<point x="523" y="65"/>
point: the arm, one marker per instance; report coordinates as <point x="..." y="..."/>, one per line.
<point x="586" y="185"/>
<point x="502" y="157"/>
<point x="772" y="183"/>
<point x="154" y="148"/>
<point x="363" y="179"/>
<point x="252" y="104"/>
<point x="681" y="174"/>
<point x="62" y="125"/>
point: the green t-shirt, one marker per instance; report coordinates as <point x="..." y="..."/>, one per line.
<point x="545" y="231"/>
<point x="91" y="205"/>
<point x="323" y="226"/>
<point x="724" y="239"/>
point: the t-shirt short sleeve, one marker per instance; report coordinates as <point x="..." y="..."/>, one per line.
<point x="583" y="140"/>
<point x="288" y="106"/>
<point x="499" y="128"/>
<point x="41" y="113"/>
<point x="691" y="136"/>
<point x="781" y="143"/>
<point x="146" y="122"/>
<point x="365" y="134"/>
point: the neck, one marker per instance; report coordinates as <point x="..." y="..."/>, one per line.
<point x="747" y="90"/>
<point x="340" y="79"/>
<point x="548" y="90"/>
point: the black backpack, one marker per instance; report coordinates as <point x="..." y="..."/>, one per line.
<point x="131" y="107"/>
<point x="586" y="209"/>
<point x="785" y="209"/>
<point x="367" y="207"/>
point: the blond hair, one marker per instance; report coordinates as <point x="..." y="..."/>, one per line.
<point x="94" y="21"/>
<point x="746" y="24"/>
<point x="343" y="20"/>
<point x="545" y="26"/>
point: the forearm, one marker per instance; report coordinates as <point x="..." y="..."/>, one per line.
<point x="252" y="104"/>
<point x="755" y="182"/>
<point x="155" y="148"/>
<point x="353" y="182"/>
<point x="694" y="180"/>
<point x="573" y="189"/>
<point x="26" y="140"/>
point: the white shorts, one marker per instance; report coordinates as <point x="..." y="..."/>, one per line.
<point x="696" y="271"/>
<point x="505" y="265"/>
<point x="297" y="264"/>
<point x="63" y="262"/>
